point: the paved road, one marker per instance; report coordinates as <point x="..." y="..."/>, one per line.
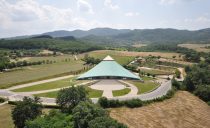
<point x="39" y="82"/>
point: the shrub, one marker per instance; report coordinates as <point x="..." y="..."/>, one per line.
<point x="2" y="100"/>
<point x="133" y="103"/>
<point x="208" y="103"/>
<point x="103" y="101"/>
<point x="105" y="122"/>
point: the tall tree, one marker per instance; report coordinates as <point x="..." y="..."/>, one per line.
<point x="25" y="110"/>
<point x="68" y="98"/>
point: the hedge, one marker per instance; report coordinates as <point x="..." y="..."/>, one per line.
<point x="105" y="103"/>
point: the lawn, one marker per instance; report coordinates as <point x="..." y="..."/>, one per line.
<point x="121" y="92"/>
<point x="5" y="116"/>
<point x="145" y="86"/>
<point x="38" y="72"/>
<point x="49" y="85"/>
<point x="91" y="93"/>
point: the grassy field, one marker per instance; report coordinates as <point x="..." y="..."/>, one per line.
<point x="145" y="86"/>
<point x="91" y="93"/>
<point x="5" y="116"/>
<point x="196" y="47"/>
<point x="50" y="85"/>
<point x="114" y="54"/>
<point x="32" y="73"/>
<point x="103" y="53"/>
<point x="184" y="110"/>
<point x="121" y="92"/>
<point x="156" y="71"/>
<point x="139" y="45"/>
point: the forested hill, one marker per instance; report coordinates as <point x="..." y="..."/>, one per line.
<point x="47" y="42"/>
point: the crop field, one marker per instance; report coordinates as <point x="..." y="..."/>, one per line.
<point x="103" y="53"/>
<point x="50" y="85"/>
<point x="91" y="93"/>
<point x="196" y="47"/>
<point x="145" y="86"/>
<point x="37" y="72"/>
<point x="184" y="110"/>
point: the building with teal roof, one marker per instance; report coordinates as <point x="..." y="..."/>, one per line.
<point x="108" y="68"/>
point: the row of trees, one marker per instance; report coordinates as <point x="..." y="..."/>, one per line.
<point x="90" y="60"/>
<point x="76" y="111"/>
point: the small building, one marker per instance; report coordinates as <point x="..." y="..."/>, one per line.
<point x="108" y="68"/>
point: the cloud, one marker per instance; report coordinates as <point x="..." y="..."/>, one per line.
<point x="131" y="14"/>
<point x="170" y="2"/>
<point x="108" y="3"/>
<point x="84" y="6"/>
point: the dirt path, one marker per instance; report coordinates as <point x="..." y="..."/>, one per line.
<point x="184" y="110"/>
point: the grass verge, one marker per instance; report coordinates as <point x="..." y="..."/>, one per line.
<point x="145" y="86"/>
<point x="121" y="92"/>
<point x="91" y="93"/>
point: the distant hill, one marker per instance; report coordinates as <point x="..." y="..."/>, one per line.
<point x="82" y="33"/>
<point x="129" y="37"/>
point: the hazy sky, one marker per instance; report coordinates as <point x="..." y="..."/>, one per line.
<point x="25" y="17"/>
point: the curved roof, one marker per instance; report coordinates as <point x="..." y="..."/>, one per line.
<point x="108" y="68"/>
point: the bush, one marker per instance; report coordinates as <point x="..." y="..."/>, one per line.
<point x="203" y="92"/>
<point x="103" y="101"/>
<point x="105" y="122"/>
<point x="176" y="84"/>
<point x="133" y="103"/>
<point x="55" y="119"/>
<point x="208" y="103"/>
<point x="2" y="100"/>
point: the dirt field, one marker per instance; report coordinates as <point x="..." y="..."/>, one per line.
<point x="196" y="47"/>
<point x="127" y="53"/>
<point x="182" y="111"/>
<point x="5" y="116"/>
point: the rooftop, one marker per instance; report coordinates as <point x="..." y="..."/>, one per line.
<point x="108" y="68"/>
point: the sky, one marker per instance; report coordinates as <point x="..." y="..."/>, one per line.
<point x="26" y="17"/>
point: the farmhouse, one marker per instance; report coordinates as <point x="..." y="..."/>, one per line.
<point x="108" y="68"/>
